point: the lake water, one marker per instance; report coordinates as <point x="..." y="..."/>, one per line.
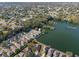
<point x="63" y="38"/>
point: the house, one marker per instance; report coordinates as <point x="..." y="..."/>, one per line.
<point x="4" y="52"/>
<point x="56" y="53"/>
<point x="63" y="54"/>
<point x="1" y="51"/>
<point x="50" y="52"/>
<point x="21" y="54"/>
<point x="9" y="53"/>
<point x="26" y="37"/>
<point x="43" y="51"/>
<point x="23" y="40"/>
<point x="13" y="48"/>
<point x="16" y="44"/>
<point x="46" y="50"/>
<point x="33" y="34"/>
<point x="25" y="50"/>
<point x="76" y="56"/>
<point x="38" y="47"/>
<point x="16" y="55"/>
<point x="22" y="43"/>
<point x="36" y="52"/>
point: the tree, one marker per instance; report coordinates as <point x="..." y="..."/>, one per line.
<point x="5" y="43"/>
<point x="17" y="51"/>
<point x="50" y="18"/>
<point x="27" y="23"/>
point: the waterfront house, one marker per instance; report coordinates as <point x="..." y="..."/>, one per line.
<point x="36" y="52"/>
<point x="56" y="53"/>
<point x="50" y="52"/>
<point x="38" y="47"/>
<point x="33" y="34"/>
<point x="76" y="56"/>
<point x="43" y="51"/>
<point x="63" y="54"/>
<point x="46" y="50"/>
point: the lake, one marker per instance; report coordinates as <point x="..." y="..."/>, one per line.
<point x="64" y="38"/>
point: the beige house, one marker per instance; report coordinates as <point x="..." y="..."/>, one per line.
<point x="25" y="50"/>
<point x="16" y="44"/>
<point x="13" y="48"/>
<point x="21" y="54"/>
<point x="9" y="52"/>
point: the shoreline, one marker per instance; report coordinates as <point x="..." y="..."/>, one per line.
<point x="49" y="31"/>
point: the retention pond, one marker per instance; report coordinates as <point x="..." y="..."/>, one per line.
<point x="64" y="38"/>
